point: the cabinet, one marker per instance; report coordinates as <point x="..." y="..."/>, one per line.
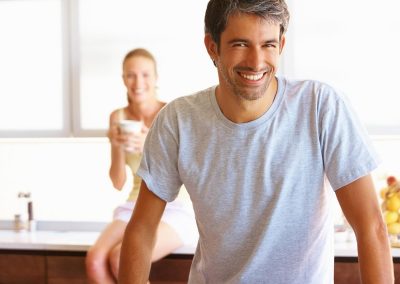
<point x="347" y="270"/>
<point x="66" y="269"/>
<point x="58" y="267"/>
<point x="21" y="268"/>
<point x="41" y="267"/>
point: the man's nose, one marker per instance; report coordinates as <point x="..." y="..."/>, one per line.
<point x="255" y="59"/>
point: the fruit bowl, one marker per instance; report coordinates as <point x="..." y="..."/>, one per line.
<point x="391" y="209"/>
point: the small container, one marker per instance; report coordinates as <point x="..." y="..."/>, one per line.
<point x="19" y="224"/>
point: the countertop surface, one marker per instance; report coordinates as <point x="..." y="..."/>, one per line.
<point x="57" y="241"/>
<point x="81" y="241"/>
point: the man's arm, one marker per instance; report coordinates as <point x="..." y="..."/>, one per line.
<point x="360" y="206"/>
<point x="140" y="237"/>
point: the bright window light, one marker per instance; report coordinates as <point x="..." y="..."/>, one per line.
<point x="31" y="91"/>
<point x="354" y="46"/>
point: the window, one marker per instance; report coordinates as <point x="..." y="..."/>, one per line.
<point x="87" y="39"/>
<point x="172" y="30"/>
<point x="32" y="90"/>
<point x="354" y="46"/>
<point x="61" y="60"/>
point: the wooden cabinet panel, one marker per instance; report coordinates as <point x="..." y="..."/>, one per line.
<point x="66" y="270"/>
<point x="347" y="273"/>
<point x="397" y="273"/>
<point x="170" y="270"/>
<point x="22" y="269"/>
<point x="27" y="267"/>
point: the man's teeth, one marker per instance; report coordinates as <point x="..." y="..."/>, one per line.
<point x="252" y="77"/>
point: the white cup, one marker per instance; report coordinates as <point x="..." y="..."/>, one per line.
<point x="130" y="126"/>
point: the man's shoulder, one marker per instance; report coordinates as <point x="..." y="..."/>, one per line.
<point x="310" y="89"/>
<point x="304" y="84"/>
<point x="188" y="105"/>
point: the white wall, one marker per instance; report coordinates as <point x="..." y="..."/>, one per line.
<point x="68" y="178"/>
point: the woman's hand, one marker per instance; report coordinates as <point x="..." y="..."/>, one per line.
<point x="117" y="139"/>
<point x="134" y="142"/>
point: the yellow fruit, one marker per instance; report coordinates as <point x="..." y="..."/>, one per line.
<point x="391" y="217"/>
<point x="393" y="203"/>
<point x="383" y="192"/>
<point x="394" y="228"/>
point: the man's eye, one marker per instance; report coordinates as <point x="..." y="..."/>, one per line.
<point x="239" y="44"/>
<point x="270" y="45"/>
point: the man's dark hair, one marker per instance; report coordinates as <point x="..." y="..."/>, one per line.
<point x="218" y="12"/>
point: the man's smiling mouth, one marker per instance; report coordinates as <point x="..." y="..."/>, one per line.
<point x="252" y="77"/>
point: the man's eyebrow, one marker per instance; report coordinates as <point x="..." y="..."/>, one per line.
<point x="237" y="40"/>
<point x="272" y="41"/>
<point x="268" y="41"/>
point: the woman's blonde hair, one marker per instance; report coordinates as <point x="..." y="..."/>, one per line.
<point x="140" y="52"/>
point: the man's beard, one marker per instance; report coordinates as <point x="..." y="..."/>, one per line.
<point x="246" y="92"/>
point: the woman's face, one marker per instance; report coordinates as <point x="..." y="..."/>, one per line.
<point x="140" y="78"/>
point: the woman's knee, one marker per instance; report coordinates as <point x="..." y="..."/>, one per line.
<point x="96" y="261"/>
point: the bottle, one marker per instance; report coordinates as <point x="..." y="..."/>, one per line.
<point x="31" y="221"/>
<point x="25" y="211"/>
<point x="21" y="217"/>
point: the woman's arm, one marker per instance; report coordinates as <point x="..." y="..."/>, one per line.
<point x="360" y="206"/>
<point x="117" y="170"/>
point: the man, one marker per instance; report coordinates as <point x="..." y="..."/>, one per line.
<point x="253" y="153"/>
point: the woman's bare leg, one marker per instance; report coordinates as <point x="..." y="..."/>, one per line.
<point x="98" y="268"/>
<point x="167" y="241"/>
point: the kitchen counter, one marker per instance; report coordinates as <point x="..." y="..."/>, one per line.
<point x="80" y="241"/>
<point x="77" y="241"/>
<point x="58" y="256"/>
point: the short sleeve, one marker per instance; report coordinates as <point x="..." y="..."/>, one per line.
<point x="159" y="165"/>
<point x="347" y="149"/>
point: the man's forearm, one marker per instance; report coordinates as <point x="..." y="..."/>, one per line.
<point x="374" y="255"/>
<point x="360" y="206"/>
<point x="135" y="261"/>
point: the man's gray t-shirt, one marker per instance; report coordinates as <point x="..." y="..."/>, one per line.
<point x="259" y="188"/>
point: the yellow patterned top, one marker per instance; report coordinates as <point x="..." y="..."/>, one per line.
<point x="133" y="161"/>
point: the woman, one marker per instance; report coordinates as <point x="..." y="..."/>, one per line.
<point x="102" y="261"/>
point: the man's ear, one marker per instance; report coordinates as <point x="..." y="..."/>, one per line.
<point x="211" y="47"/>
<point x="282" y="43"/>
